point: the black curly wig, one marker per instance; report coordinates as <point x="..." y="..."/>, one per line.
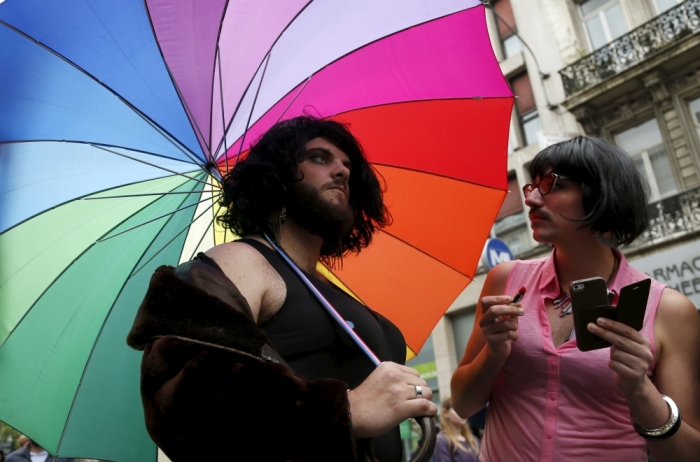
<point x="260" y="183"/>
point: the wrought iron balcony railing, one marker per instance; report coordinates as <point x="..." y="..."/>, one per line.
<point x="633" y="47"/>
<point x="672" y="217"/>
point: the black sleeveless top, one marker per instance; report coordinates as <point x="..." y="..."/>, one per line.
<point x="316" y="347"/>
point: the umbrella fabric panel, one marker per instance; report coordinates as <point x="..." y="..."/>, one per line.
<point x="314" y="40"/>
<point x="188" y="32"/>
<point x="440" y="216"/>
<point x="204" y="232"/>
<point x="474" y="149"/>
<point x="110" y="41"/>
<point x="59" y="332"/>
<point x="37" y="176"/>
<point x="37" y="251"/>
<point x="46" y="98"/>
<point x="113" y="369"/>
<point x="412" y="288"/>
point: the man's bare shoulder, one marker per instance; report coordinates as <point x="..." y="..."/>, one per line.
<point x="252" y="274"/>
<point x="235" y="254"/>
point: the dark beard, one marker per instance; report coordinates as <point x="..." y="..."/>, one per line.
<point x="317" y="215"/>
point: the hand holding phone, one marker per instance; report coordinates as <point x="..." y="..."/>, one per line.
<point x="589" y="300"/>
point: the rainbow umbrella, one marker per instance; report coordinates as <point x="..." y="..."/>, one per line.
<point x="118" y="120"/>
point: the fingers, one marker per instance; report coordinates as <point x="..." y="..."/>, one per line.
<point x="386" y="398"/>
<point x="630" y="353"/>
<point x="499" y="311"/>
<point x="620" y="335"/>
<point x="420" y="407"/>
<point x="491" y="300"/>
<point x="412" y="392"/>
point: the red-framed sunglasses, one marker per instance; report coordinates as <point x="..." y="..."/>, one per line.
<point x="546" y="184"/>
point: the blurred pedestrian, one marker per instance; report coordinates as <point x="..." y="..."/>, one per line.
<point x="455" y="442"/>
<point x="22" y="441"/>
<point x="32" y="452"/>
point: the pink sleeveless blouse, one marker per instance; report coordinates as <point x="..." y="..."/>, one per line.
<point x="561" y="404"/>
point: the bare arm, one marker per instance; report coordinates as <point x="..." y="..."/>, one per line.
<point x="677" y="374"/>
<point x="489" y="346"/>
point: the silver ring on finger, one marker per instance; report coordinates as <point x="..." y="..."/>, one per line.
<point x="419" y="391"/>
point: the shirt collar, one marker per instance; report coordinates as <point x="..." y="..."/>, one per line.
<point x="549" y="282"/>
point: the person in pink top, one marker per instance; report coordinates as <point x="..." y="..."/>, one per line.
<point x="549" y="401"/>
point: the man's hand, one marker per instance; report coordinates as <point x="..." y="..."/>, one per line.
<point x="388" y="397"/>
<point x="499" y="323"/>
<point x="630" y="353"/>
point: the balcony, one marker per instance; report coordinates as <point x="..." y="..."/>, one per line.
<point x="633" y="48"/>
<point x="672" y="217"/>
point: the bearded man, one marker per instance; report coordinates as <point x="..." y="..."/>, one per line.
<point x="239" y="352"/>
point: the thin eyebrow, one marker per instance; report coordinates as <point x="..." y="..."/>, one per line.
<point x="327" y="152"/>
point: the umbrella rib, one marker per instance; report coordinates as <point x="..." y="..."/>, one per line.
<point x="221" y="98"/>
<point x="154" y="219"/>
<point x="293" y="99"/>
<point x="96" y="144"/>
<point x="57" y="278"/>
<point x="425" y="253"/>
<point x="240" y="101"/>
<point x="92" y="350"/>
<point x="147" y="194"/>
<point x="252" y="109"/>
<point x="175" y="237"/>
<point x="211" y="223"/>
<point x="147" y="163"/>
<point x="171" y="139"/>
<point x="440" y="175"/>
<point x="191" y="118"/>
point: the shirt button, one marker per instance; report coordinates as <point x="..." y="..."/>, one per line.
<point x="552" y="396"/>
<point x="554" y="365"/>
<point x="549" y="436"/>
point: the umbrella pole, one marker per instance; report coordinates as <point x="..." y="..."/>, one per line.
<point x="322" y="300"/>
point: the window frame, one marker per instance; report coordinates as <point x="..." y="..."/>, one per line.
<point x="600" y="13"/>
<point x="658" y="10"/>
<point x="643" y="154"/>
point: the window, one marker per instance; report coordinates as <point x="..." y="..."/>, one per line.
<point x="695" y="111"/>
<point x="663" y="5"/>
<point x="510" y="43"/>
<point x="604" y="21"/>
<point x="462" y="326"/>
<point x="528" y="117"/>
<point x="645" y="145"/>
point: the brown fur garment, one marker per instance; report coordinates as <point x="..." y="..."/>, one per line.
<point x="213" y="388"/>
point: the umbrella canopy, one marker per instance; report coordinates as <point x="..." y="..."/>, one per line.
<point x="119" y="119"/>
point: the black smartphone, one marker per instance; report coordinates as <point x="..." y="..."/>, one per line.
<point x="633" y="303"/>
<point x="589" y="301"/>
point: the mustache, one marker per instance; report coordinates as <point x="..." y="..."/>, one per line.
<point x="539" y="213"/>
<point x="338" y="182"/>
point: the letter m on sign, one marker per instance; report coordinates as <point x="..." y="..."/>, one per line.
<point x="496" y="257"/>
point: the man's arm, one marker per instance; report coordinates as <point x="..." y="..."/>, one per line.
<point x="677" y="373"/>
<point x="489" y="346"/>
